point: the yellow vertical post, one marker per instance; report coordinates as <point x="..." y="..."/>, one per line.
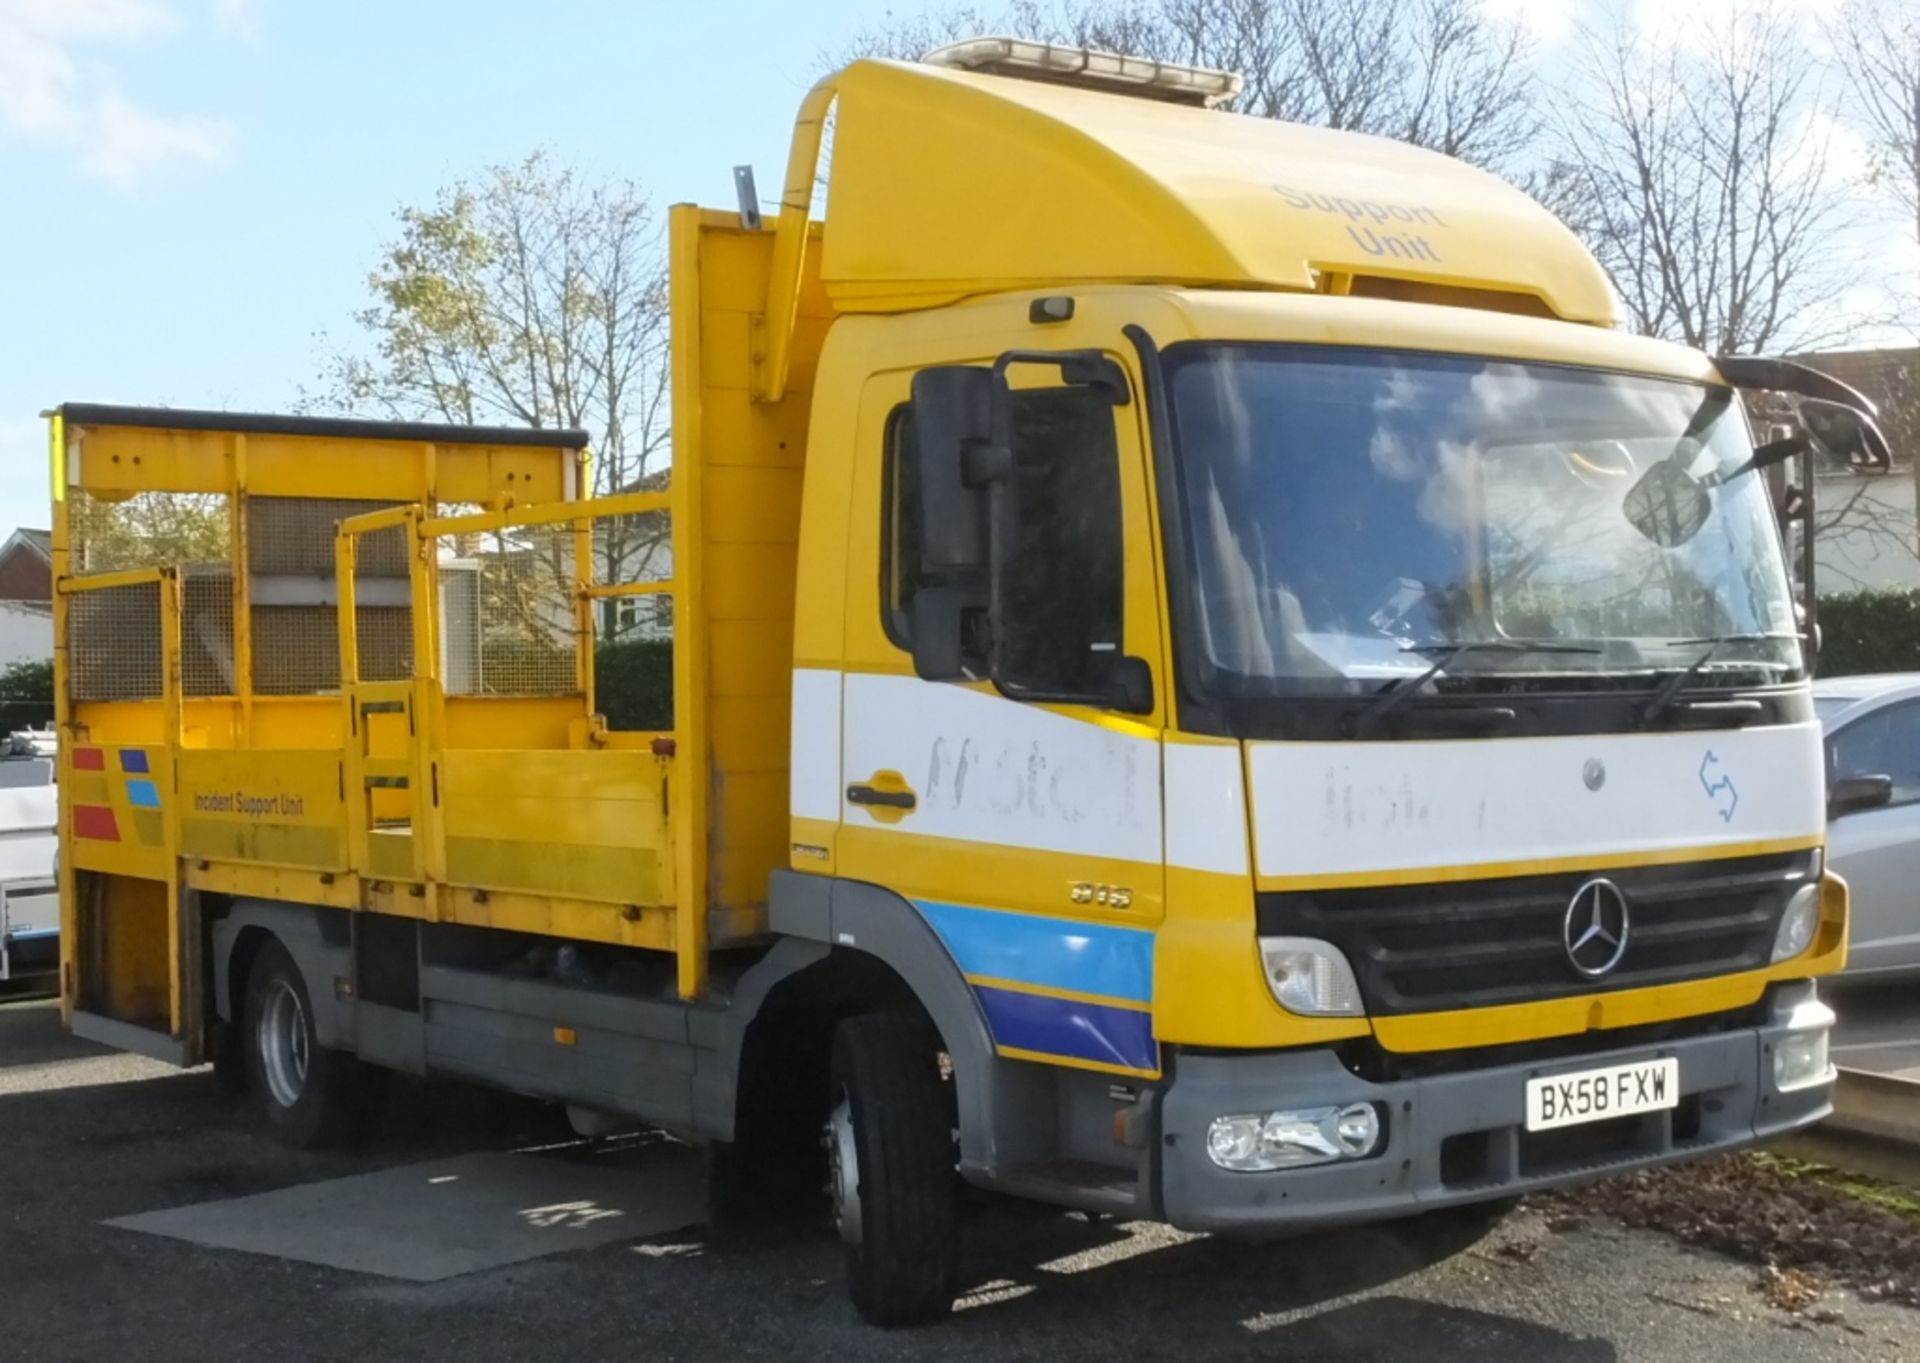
<point x="242" y="590"/>
<point x="690" y="771"/>
<point x="170" y="702"/>
<point x="353" y="774"/>
<point x="584" y="576"/>
<point x="429" y="844"/>
<point x="790" y="245"/>
<point x="62" y="715"/>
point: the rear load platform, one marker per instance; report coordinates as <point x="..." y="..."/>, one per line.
<point x="350" y="664"/>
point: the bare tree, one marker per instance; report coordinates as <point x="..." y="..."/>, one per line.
<point x="1878" y="45"/>
<point x="1698" y="173"/>
<point x="526" y="297"/>
<point x="1437" y="73"/>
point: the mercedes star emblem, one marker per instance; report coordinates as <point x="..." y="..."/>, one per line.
<point x="1596" y="929"/>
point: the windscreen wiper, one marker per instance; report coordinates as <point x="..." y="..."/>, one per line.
<point x="1662" y="700"/>
<point x="1401" y="688"/>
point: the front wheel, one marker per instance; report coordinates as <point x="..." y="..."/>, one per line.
<point x="890" y="1152"/>
<point x="309" y="1095"/>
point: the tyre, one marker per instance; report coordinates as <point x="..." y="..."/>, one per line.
<point x="891" y="1156"/>
<point x="228" y="1045"/>
<point x="309" y="1095"/>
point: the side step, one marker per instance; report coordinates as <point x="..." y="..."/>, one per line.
<point x="127" y="1036"/>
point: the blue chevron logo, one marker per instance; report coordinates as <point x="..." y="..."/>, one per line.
<point x="1720" y="787"/>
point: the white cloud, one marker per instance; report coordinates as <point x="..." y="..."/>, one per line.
<point x="1547" y="22"/>
<point x="128" y="143"/>
<point x="51" y="94"/>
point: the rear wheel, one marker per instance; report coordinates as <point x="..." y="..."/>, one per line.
<point x="890" y="1155"/>
<point x="310" y="1096"/>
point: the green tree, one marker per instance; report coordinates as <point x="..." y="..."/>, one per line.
<point x="526" y="296"/>
<point x="147" y="530"/>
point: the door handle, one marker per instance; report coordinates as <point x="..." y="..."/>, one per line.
<point x="885" y="799"/>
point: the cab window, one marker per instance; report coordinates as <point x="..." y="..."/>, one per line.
<point x="1064" y="585"/>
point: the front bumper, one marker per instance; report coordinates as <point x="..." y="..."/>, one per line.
<point x="1460" y="1138"/>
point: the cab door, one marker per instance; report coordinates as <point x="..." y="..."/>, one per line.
<point x="1027" y="834"/>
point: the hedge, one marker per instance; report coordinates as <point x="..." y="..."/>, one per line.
<point x="633" y="683"/>
<point x="26" y="696"/>
<point x="1869" y="631"/>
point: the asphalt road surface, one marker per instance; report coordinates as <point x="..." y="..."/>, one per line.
<point x="87" y="1136"/>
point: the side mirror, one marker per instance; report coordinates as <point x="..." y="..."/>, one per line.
<point x="952" y="412"/>
<point x="1851" y="794"/>
<point x="966" y="494"/>
<point x="941" y="620"/>
<point x="1839" y="416"/>
<point x="1668" y="505"/>
<point x="1847" y="434"/>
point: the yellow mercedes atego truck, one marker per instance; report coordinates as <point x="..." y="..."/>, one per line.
<point x="1210" y="682"/>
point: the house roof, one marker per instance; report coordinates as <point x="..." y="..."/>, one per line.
<point x="39" y="541"/>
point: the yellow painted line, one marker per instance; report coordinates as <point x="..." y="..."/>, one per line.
<point x="1073" y="1062"/>
<point x="1496" y="870"/>
<point x="1046" y="991"/>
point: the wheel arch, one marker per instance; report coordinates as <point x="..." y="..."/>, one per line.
<point x="318" y="939"/>
<point x="847" y="946"/>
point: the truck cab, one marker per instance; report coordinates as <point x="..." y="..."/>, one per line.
<point x="1211" y="682"/>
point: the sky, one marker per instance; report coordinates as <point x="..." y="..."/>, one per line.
<point x="193" y="191"/>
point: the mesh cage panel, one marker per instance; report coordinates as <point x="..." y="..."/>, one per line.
<point x="507" y="625"/>
<point x="206" y="631"/>
<point x="114" y="635"/>
<point x="113" y="643"/>
<point x="295" y="535"/>
<point x="147" y="530"/>
<point x="296" y="633"/>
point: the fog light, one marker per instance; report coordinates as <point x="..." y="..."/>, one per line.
<point x="1310" y="977"/>
<point x="1258" y="1142"/>
<point x="1800" y="1060"/>
<point x="1234" y="1142"/>
<point x="1358" y="1129"/>
<point x="1798" y="923"/>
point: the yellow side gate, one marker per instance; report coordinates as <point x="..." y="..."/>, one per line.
<point x="334" y="701"/>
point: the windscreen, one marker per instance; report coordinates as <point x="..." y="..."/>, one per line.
<point x="1349" y="511"/>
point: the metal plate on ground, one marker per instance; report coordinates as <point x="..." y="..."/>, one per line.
<point x="437" y="1220"/>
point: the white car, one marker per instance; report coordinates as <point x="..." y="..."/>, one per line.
<point x="1873" y="801"/>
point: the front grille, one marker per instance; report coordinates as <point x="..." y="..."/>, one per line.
<point x="1369" y="1060"/>
<point x="1474" y="944"/>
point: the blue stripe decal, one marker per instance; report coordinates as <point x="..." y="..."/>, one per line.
<point x="1055" y="953"/>
<point x="133" y="759"/>
<point x="1071" y="1028"/>
<point x="142" y="795"/>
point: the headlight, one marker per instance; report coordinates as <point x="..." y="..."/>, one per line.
<point x="1310" y="977"/>
<point x="1800" y="1055"/>
<point x="1254" y="1142"/>
<point x="1800" y="1060"/>
<point x="1798" y="923"/>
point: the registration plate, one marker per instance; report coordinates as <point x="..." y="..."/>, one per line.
<point x="1595" y="1095"/>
